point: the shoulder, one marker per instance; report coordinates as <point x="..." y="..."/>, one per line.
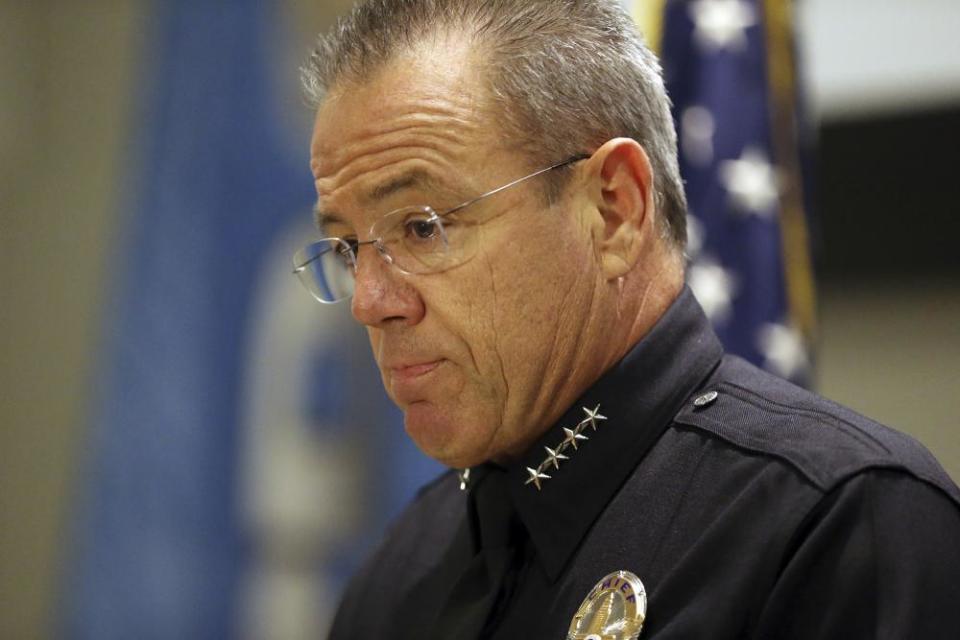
<point x="825" y="442"/>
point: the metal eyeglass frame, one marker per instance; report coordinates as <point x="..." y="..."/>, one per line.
<point x="353" y="246"/>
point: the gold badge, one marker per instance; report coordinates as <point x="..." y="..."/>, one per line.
<point x="614" y="610"/>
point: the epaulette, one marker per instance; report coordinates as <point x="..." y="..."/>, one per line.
<point x="824" y="441"/>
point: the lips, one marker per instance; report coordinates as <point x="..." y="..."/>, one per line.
<point x="413" y="371"/>
<point x="411" y="381"/>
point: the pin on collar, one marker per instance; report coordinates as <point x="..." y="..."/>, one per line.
<point x="554" y="456"/>
<point x="572" y="441"/>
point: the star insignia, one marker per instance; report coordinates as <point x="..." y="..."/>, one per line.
<point x="593" y="416"/>
<point x="535" y="477"/>
<point x="554" y="457"/>
<point x="464" y="479"/>
<point x="573" y="437"/>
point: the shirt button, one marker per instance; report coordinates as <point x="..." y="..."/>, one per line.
<point x="708" y="398"/>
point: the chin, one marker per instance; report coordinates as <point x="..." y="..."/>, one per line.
<point x="447" y="438"/>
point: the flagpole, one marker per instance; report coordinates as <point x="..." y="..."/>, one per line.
<point x="795" y="237"/>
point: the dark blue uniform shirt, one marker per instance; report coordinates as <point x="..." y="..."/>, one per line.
<point x="763" y="511"/>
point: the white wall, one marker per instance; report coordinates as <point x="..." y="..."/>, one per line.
<point x="875" y="56"/>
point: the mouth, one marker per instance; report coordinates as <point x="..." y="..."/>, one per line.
<point x="411" y="381"/>
<point x="413" y="371"/>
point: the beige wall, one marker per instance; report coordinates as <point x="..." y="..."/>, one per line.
<point x="66" y="101"/>
<point x="891" y="350"/>
<point x="65" y="77"/>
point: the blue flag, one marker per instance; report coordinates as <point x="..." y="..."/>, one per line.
<point x="730" y="71"/>
<point x="228" y="487"/>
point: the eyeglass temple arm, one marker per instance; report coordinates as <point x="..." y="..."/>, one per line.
<point x="570" y="160"/>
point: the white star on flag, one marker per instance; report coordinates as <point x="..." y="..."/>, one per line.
<point x="713" y="287"/>
<point x="697" y="126"/>
<point x="752" y="182"/>
<point x="783" y="349"/>
<point x="722" y="24"/>
<point x="695" y="236"/>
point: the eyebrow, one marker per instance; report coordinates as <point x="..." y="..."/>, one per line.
<point x="407" y="180"/>
<point x="323" y="218"/>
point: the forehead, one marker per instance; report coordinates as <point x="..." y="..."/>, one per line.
<point x="428" y="103"/>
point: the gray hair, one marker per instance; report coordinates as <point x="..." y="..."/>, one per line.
<point x="566" y="75"/>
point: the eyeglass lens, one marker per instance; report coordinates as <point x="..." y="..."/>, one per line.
<point x="326" y="269"/>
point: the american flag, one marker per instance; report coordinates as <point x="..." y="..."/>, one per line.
<point x="730" y="71"/>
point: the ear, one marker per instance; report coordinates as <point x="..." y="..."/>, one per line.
<point x="623" y="194"/>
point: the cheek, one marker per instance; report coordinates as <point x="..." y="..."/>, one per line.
<point x="515" y="317"/>
<point x="468" y="304"/>
<point x="506" y="306"/>
<point x="546" y="296"/>
<point x="481" y="334"/>
<point x="458" y="311"/>
<point x="527" y="320"/>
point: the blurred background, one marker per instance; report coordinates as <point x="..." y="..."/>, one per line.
<point x="188" y="447"/>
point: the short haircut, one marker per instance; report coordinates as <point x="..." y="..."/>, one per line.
<point x="566" y="75"/>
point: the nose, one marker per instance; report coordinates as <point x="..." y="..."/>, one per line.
<point x="382" y="295"/>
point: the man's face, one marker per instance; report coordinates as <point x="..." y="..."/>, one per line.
<point x="481" y="357"/>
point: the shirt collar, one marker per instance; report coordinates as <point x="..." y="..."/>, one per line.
<point x="639" y="396"/>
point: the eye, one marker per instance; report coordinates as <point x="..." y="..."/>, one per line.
<point x="423" y="228"/>
<point x="345" y="252"/>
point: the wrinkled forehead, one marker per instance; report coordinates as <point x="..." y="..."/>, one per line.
<point x="420" y="129"/>
<point x="438" y="84"/>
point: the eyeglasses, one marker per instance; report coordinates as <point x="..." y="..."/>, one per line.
<point x="416" y="240"/>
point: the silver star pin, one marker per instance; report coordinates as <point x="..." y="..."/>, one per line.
<point x="464" y="478"/>
<point x="535" y="477"/>
<point x="573" y="437"/>
<point x="594" y="416"/>
<point x="554" y="457"/>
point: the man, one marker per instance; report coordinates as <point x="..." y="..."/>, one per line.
<point x="499" y="197"/>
